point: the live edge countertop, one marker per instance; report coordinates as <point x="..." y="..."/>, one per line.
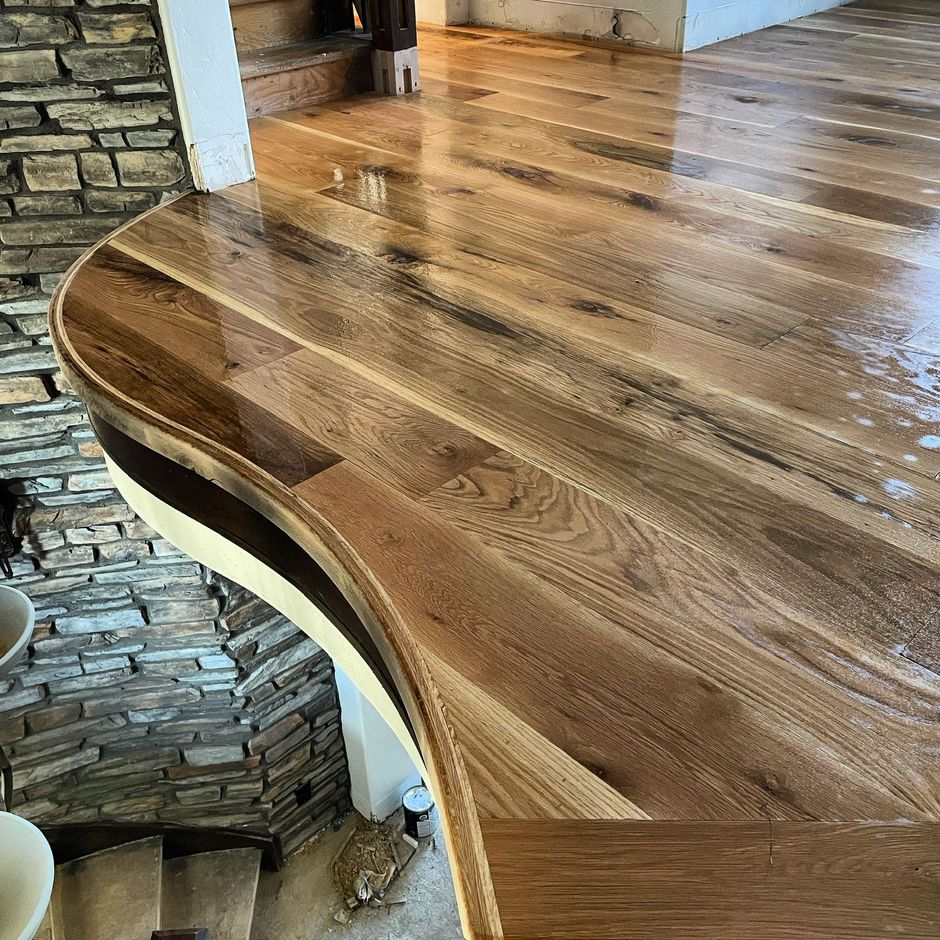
<point x="647" y="597"/>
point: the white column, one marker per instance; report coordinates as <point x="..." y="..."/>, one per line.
<point x="379" y="768"/>
<point x="200" y="47"/>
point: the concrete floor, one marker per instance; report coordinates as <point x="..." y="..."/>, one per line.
<point x="298" y="903"/>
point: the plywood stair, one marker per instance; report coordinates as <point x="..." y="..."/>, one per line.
<point x="131" y="891"/>
<point x="294" y="53"/>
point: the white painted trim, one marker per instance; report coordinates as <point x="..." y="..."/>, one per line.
<point x="200" y="46"/>
<point x="383" y="757"/>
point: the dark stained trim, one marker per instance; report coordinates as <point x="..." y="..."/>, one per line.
<point x="203" y="501"/>
<point x="70" y="841"/>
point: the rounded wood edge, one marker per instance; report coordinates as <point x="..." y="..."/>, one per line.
<point x="438" y="747"/>
<point x="213" y="550"/>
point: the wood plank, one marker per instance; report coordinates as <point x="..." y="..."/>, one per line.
<point x="618" y="333"/>
<point x="668" y="767"/>
<point x="509" y="506"/>
<point x="597" y="69"/>
<point x="600" y="264"/>
<point x="749" y="100"/>
<point x="507" y="741"/>
<point x="214" y="890"/>
<point x="271" y="23"/>
<point x="294" y="76"/>
<point x="752" y="146"/>
<point x="779" y="881"/>
<point x="190" y="326"/>
<point x="887" y="16"/>
<point x="719" y="309"/>
<point x="376" y="430"/>
<point x="111" y="893"/>
<point x="894" y="8"/>
<point x="635" y="216"/>
<point x="529" y="149"/>
<point x="877" y="23"/>
<point x="285" y="58"/>
<point x="306" y="168"/>
<point x="170" y="386"/>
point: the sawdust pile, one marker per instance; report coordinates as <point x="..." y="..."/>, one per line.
<point x="370" y="849"/>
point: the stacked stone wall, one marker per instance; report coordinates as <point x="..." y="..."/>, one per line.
<point x="153" y="689"/>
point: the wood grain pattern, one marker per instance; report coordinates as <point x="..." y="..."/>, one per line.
<point x="304" y="73"/>
<point x="774" y="880"/>
<point x="604" y="387"/>
<point x="271" y="23"/>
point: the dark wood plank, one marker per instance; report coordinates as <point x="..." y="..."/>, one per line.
<point x="190" y="326"/>
<point x="163" y="383"/>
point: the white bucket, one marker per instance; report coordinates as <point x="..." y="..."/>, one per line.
<point x="26" y="874"/>
<point x="17" y="616"/>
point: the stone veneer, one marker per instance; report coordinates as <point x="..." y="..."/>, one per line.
<point x="154" y="690"/>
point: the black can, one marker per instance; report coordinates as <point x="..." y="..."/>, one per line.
<point x="421" y="814"/>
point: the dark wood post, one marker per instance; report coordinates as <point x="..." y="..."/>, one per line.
<point x="394" y="46"/>
<point x="183" y="933"/>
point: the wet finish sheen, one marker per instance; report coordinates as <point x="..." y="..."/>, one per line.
<point x="606" y="384"/>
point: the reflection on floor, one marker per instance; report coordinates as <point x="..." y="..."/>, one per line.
<point x="299" y="902"/>
<point x="613" y="378"/>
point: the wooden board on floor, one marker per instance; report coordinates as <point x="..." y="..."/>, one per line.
<point x="702" y="880"/>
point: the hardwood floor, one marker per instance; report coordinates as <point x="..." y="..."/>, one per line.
<point x="606" y="385"/>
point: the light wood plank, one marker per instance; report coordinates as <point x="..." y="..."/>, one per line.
<point x="778" y="881"/>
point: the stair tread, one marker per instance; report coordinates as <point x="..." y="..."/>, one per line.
<point x="111" y="893"/>
<point x="274" y="59"/>
<point x="215" y="890"/>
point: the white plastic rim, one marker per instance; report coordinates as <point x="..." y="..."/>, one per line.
<point x="27" y="871"/>
<point x="17" y="616"/>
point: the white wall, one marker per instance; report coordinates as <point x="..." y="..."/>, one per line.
<point x="708" y="21"/>
<point x="442" y="12"/>
<point x="651" y="23"/>
<point x="380" y="770"/>
<point x="671" y="25"/>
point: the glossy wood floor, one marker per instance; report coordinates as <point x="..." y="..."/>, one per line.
<point x="607" y="383"/>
